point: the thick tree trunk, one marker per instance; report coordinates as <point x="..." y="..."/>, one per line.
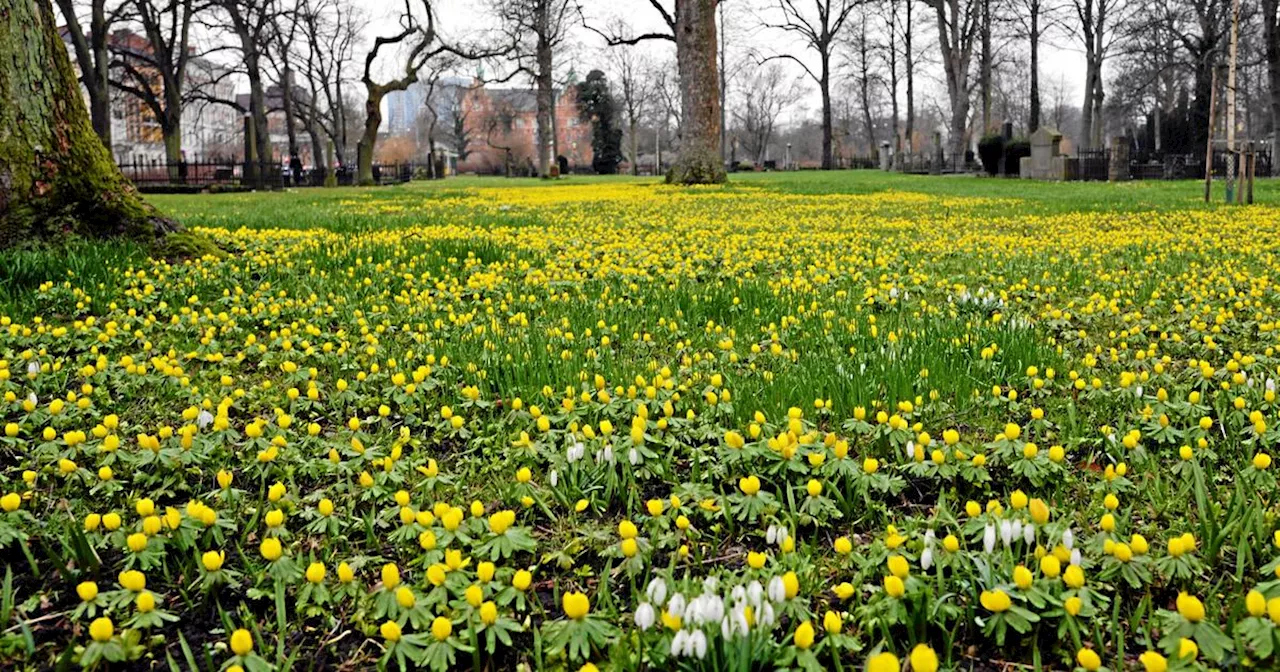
<point x="545" y="96"/>
<point x="372" y="122"/>
<point x="94" y="61"/>
<point x="1086" y="110"/>
<point x="286" y="101"/>
<point x="56" y="177"/>
<point x="909" y="57"/>
<point x="699" y="159"/>
<point x="984" y="67"/>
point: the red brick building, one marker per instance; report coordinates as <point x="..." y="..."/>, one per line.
<point x="500" y="121"/>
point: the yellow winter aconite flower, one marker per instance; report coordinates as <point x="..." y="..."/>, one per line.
<point x="749" y="485"/>
<point x="1190" y="607"/>
<point x="87" y="590"/>
<point x="315" y="572"/>
<point x="1188" y="649"/>
<point x="271" y="549"/>
<point x="101" y="629"/>
<point x="883" y="662"/>
<point x="241" y="642"/>
<point x="10" y="502"/>
<point x="843" y="546"/>
<point x="1153" y="661"/>
<point x="390" y="631"/>
<point x="522" y="580"/>
<point x="832" y="623"/>
<point x="212" y="560"/>
<point x="575" y="605"/>
<point x="923" y="659"/>
<point x="995" y="600"/>
<point x="894" y="587"/>
<point x="804" y="635"/>
<point x="1088" y="659"/>
<point x="899" y="567"/>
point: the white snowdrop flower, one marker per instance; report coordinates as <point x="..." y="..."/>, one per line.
<point x="1137" y="391"/>
<point x="657" y="591"/>
<point x="726" y="627"/>
<point x="608" y="454"/>
<point x="33" y="368"/>
<point x="738" y="594"/>
<point x="553" y="478"/>
<point x="910" y="450"/>
<point x="777" y="589"/>
<point x="633" y="456"/>
<point x="676" y="605"/>
<point x="771" y="535"/>
<point x="204" y="419"/>
<point x="1068" y="539"/>
<point x="926" y="558"/>
<point x="677" y="642"/>
<point x="710" y="608"/>
<point x="1029" y="534"/>
<point x="1271" y="385"/>
<point x="1006" y="532"/>
<point x="783" y="535"/>
<point x="989" y="538"/>
<point x="32" y="398"/>
<point x="1075" y="557"/>
<point x="711" y="584"/>
<point x="697" y="644"/>
<point x="645" y="616"/>
<point x="767" y="617"/>
<point x="929" y="538"/>
<point x="755" y="591"/>
<point x="1017" y="530"/>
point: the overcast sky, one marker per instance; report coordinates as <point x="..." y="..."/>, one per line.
<point x="1061" y="59"/>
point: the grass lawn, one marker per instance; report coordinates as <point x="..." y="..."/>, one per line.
<point x="802" y="421"/>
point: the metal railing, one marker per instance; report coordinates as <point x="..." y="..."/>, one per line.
<point x="155" y="175"/>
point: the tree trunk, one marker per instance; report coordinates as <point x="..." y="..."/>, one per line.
<point x="56" y="177"/>
<point x="635" y="167"/>
<point x="286" y="101"/>
<point x="372" y="122"/>
<point x="909" y="57"/>
<point x="699" y="159"/>
<point x="1033" y="121"/>
<point x="1086" y="110"/>
<point x="984" y="66"/>
<point x="545" y="96"/>
<point x="258" y="112"/>
<point x="824" y="84"/>
<point x="1271" y="38"/>
<point x="94" y="61"/>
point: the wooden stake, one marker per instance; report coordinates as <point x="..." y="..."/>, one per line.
<point x="1208" y="150"/>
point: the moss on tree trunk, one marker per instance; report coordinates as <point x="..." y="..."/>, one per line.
<point x="56" y="178"/>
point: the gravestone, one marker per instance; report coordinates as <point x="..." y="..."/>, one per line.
<point x="1118" y="166"/>
<point x="885" y="158"/>
<point x="1046" y="161"/>
<point x="936" y="167"/>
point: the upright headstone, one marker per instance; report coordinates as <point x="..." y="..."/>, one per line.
<point x="1007" y="131"/>
<point x="1045" y="162"/>
<point x="885" y="158"/>
<point x="1118" y="167"/>
<point x="330" y="175"/>
<point x="938" y="156"/>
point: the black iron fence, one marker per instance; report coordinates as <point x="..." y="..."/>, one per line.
<point x="211" y="174"/>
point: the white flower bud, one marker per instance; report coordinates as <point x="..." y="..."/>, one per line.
<point x="645" y="616"/>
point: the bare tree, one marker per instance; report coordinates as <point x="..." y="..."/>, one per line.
<point x="863" y="69"/>
<point x="538" y="28"/>
<point x="692" y="26"/>
<point x="632" y="74"/>
<point x="251" y="22"/>
<point x="1095" y="19"/>
<point x="1271" y="40"/>
<point x="157" y="74"/>
<point x="1031" y="20"/>
<point x="819" y="31"/>
<point x="330" y="32"/>
<point x="419" y="35"/>
<point x="93" y="58"/>
<point x="958" y="22"/>
<point x="768" y="93"/>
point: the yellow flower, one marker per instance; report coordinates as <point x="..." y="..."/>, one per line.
<point x="474" y="595"/>
<point x="441" y="628"/>
<point x="843" y="545"/>
<point x="145" y="602"/>
<point x="804" y="635"/>
<point x="484" y="571"/>
<point x="883" y="662"/>
<point x="390" y="631"/>
<point x="1039" y="511"/>
<point x="1073" y="576"/>
<point x="501" y="521"/>
<point x="489" y="613"/>
<point x="145" y="507"/>
<point x="101" y="629"/>
<point x="241" y="642"/>
<point x="756" y="560"/>
<point x="137" y="542"/>
<point x="995" y="601"/>
<point x="405" y="597"/>
<point x="629" y="547"/>
<point x="832" y="623"/>
<point x="88" y="591"/>
<point x="581" y="505"/>
<point x="924" y="659"/>
<point x="894" y="586"/>
<point x="1073" y="605"/>
<point x="1153" y="662"/>
<point x="749" y="485"/>
<point x="315" y="572"/>
<point x="627" y="530"/>
<point x="791" y="583"/>
<point x="10" y="502"/>
<point x="1088" y="659"/>
<point x="390" y="576"/>
<point x="271" y="549"/>
<point x="133" y="580"/>
<point x="1050" y="566"/>
<point x="899" y="567"/>
<point x="814" y="487"/>
<point x="1190" y="607"/>
<point x="1022" y="577"/>
<point x="576" y="605"/>
<point x="1255" y="603"/>
<point x="1187" y="649"/>
<point x="870" y="465"/>
<point x="522" y="580"/>
<point x="213" y="560"/>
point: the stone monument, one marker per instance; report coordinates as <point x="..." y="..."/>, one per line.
<point x="1046" y="161"/>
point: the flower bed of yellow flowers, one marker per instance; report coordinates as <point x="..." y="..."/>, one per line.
<point x="632" y="427"/>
